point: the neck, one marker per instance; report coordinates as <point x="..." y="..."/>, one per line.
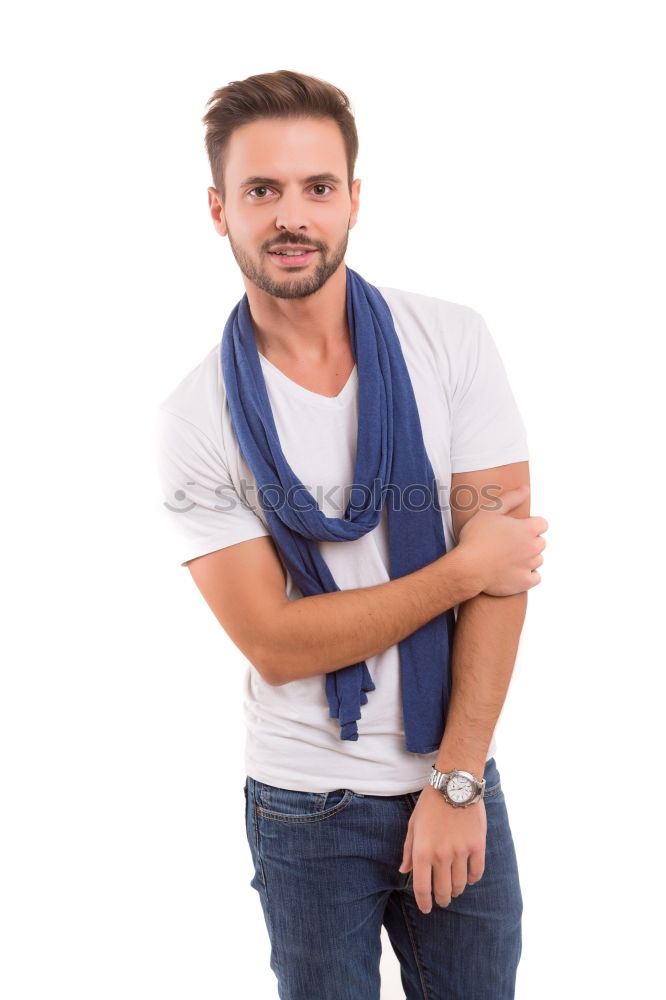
<point x="313" y="328"/>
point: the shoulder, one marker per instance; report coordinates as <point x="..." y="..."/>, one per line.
<point x="415" y="309"/>
<point x="429" y="305"/>
<point x="196" y="390"/>
<point x="189" y="420"/>
<point x="449" y="323"/>
<point x="197" y="399"/>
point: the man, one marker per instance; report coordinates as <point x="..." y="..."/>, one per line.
<point x="380" y="638"/>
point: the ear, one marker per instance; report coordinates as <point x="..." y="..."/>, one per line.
<point x="355" y="196"/>
<point x="216" y="209"/>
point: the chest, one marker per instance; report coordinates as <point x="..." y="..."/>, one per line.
<point x="326" y="379"/>
<point x="318" y="436"/>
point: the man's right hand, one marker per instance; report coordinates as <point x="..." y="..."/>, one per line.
<point x="504" y="552"/>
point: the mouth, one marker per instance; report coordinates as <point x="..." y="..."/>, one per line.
<point x="294" y="257"/>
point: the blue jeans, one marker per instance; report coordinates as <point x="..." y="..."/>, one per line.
<point x="326" y="870"/>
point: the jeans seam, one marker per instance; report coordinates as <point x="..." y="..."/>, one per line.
<point x="257" y="842"/>
<point x="412" y="938"/>
<point x="268" y="917"/>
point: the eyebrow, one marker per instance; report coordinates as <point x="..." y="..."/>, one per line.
<point x="312" y="179"/>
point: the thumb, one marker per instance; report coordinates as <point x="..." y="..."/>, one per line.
<point x="406" y="863"/>
<point x="513" y="498"/>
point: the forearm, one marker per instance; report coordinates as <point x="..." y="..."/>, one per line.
<point x="315" y="635"/>
<point x="484" y="653"/>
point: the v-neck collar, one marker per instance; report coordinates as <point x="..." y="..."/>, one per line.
<point x="307" y="394"/>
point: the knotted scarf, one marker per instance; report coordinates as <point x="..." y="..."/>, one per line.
<point x="391" y="466"/>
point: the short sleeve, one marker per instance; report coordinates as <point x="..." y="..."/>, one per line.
<point x="201" y="504"/>
<point x="487" y="428"/>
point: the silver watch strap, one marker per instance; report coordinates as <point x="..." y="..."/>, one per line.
<point x="439" y="778"/>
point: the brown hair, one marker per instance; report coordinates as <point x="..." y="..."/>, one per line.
<point x="282" y="94"/>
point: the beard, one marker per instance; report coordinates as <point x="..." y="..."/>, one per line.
<point x="292" y="287"/>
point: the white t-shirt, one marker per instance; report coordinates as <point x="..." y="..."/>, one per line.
<point x="469" y="421"/>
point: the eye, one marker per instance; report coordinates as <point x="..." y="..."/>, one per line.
<point x="260" y="188"/>
<point x="322" y="186"/>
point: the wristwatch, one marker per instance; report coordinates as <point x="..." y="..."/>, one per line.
<point x="459" y="788"/>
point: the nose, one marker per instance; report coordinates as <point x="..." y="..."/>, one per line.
<point x="291" y="212"/>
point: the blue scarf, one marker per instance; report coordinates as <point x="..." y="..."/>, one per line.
<point x="390" y="457"/>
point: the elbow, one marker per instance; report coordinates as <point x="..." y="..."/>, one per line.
<point x="272" y="678"/>
<point x="267" y="665"/>
<point x="267" y="653"/>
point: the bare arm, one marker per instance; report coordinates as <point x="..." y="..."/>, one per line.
<point x="485" y="645"/>
<point x="446" y="847"/>
<point x="244" y="585"/>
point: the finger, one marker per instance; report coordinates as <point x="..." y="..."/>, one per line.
<point x="476" y="866"/>
<point x="512" y="498"/>
<point x="458" y="874"/>
<point x="442" y="882"/>
<point x="422" y="884"/>
<point x="406" y="863"/>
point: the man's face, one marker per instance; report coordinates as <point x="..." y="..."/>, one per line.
<point x="286" y="187"/>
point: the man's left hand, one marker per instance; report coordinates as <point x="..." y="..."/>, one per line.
<point x="445" y="846"/>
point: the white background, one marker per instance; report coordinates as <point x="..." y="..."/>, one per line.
<point x="512" y="160"/>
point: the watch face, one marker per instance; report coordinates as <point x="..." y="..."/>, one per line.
<point x="459" y="788"/>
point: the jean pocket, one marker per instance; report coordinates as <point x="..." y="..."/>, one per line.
<point x="288" y="805"/>
<point x="491" y="791"/>
<point x="493" y="784"/>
